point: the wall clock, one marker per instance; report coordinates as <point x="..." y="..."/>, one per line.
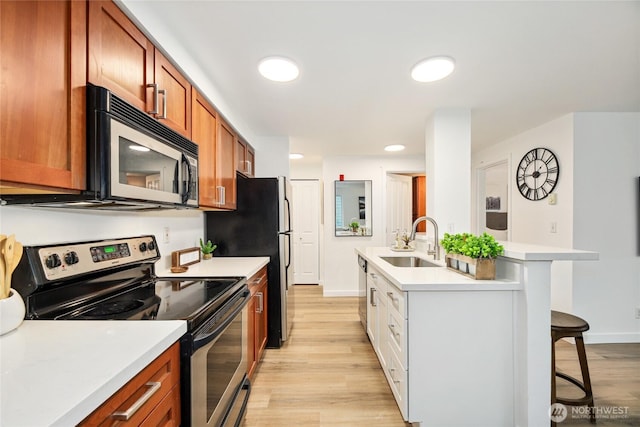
<point x="537" y="174"/>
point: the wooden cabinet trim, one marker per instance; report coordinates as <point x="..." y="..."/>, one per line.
<point x="165" y="369"/>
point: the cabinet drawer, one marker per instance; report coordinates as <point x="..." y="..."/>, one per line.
<point x="257" y="280"/>
<point x="167" y="413"/>
<point x="397" y="378"/>
<point x="396" y="336"/>
<point x="396" y="300"/>
<point x="146" y="390"/>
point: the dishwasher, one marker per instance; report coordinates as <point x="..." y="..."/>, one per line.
<point x="362" y="291"/>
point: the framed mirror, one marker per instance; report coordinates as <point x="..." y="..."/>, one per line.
<point x="353" y="209"/>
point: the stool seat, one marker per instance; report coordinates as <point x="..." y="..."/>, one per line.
<point x="567" y="325"/>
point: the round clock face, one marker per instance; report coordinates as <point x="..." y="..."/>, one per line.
<point x="537" y="174"/>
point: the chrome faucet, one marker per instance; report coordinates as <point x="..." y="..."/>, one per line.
<point x="436" y="251"/>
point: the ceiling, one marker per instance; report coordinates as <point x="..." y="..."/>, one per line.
<point x="518" y="64"/>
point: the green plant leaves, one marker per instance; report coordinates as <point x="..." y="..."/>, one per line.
<point x="483" y="246"/>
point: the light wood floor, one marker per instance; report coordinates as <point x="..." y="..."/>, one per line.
<point x="327" y="374"/>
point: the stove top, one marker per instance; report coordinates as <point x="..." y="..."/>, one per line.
<point x="114" y="280"/>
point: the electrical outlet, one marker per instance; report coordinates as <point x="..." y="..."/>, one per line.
<point x="637" y="312"/>
<point x="165" y="235"/>
<point x="554" y="227"/>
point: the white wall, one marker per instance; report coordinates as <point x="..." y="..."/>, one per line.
<point x="338" y="263"/>
<point x="531" y="220"/>
<point x="606" y="170"/>
<point x="272" y="156"/>
<point x="597" y="209"/>
<point x="37" y="226"/>
<point x="448" y="154"/>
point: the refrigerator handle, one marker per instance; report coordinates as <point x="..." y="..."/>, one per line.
<point x="290" y="232"/>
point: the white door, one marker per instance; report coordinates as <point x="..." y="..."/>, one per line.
<point x="399" y="205"/>
<point x="306" y="224"/>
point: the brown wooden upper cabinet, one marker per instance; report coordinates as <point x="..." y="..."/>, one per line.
<point x="42" y="96"/>
<point x="226" y="163"/>
<point x="246" y="156"/>
<point x="122" y="59"/>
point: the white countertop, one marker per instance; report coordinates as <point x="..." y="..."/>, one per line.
<point x="55" y="373"/>
<point x="527" y="252"/>
<point x="429" y="278"/>
<point x="219" y="266"/>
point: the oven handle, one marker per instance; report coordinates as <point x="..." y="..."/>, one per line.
<point x="211" y="333"/>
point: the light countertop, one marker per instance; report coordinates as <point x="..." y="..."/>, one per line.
<point x="429" y="278"/>
<point x="219" y="267"/>
<point x="55" y="373"/>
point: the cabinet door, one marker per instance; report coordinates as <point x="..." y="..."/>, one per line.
<point x="241" y="156"/>
<point x="42" y="95"/>
<point x="203" y="131"/>
<point x="174" y="99"/>
<point x="251" y="161"/>
<point x="245" y="157"/>
<point x="252" y="361"/>
<point x="227" y="164"/>
<point x="120" y="56"/>
<point x="261" y="318"/>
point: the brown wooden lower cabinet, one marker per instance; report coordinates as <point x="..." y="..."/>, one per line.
<point x="257" y="323"/>
<point x="155" y="391"/>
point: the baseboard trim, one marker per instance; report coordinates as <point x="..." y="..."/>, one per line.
<point x="612" y="338"/>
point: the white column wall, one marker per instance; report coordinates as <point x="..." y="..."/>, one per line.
<point x="606" y="216"/>
<point x="448" y="161"/>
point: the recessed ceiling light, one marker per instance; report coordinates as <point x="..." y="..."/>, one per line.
<point x="278" y="69"/>
<point x="432" y="69"/>
<point x="294" y="156"/>
<point x="395" y="147"/>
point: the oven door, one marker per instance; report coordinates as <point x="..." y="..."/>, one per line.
<point x="218" y="367"/>
<point x="147" y="168"/>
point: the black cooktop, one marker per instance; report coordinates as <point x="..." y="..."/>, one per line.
<point x="194" y="300"/>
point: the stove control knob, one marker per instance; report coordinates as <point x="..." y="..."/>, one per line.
<point x="71" y="258"/>
<point x="151" y="245"/>
<point x="143" y="247"/>
<point x="53" y="261"/>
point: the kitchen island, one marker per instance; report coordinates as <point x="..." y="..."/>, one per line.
<point x="464" y="352"/>
<point x="55" y="373"/>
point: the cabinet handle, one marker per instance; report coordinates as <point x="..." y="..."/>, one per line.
<point x="163" y="92"/>
<point x="155" y="98"/>
<point x="224" y="195"/>
<point x="390" y="295"/>
<point x="261" y="305"/>
<point x="393" y="330"/>
<point x="391" y="371"/>
<point x="373" y="275"/>
<point x="371" y="298"/>
<point x="154" y="386"/>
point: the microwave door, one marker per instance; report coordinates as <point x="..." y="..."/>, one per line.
<point x="143" y="167"/>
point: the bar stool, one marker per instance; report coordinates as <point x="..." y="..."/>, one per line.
<point x="567" y="325"/>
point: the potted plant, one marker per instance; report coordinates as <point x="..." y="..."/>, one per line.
<point x="472" y="255"/>
<point x="207" y="250"/>
<point x="354" y="226"/>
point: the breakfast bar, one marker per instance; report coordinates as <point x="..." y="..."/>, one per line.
<point x="458" y="351"/>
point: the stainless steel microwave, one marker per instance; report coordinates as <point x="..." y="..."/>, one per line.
<point x="134" y="162"/>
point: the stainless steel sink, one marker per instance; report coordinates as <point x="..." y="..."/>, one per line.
<point x="408" y="261"/>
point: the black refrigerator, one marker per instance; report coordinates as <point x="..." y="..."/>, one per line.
<point x="261" y="226"/>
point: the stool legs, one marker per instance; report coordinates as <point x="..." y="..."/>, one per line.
<point x="584" y="385"/>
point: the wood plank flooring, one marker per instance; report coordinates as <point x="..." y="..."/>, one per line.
<point x="327" y="374"/>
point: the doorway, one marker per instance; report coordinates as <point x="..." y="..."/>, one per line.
<point x="493" y="200"/>
<point x="306" y="225"/>
<point x="406" y="198"/>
